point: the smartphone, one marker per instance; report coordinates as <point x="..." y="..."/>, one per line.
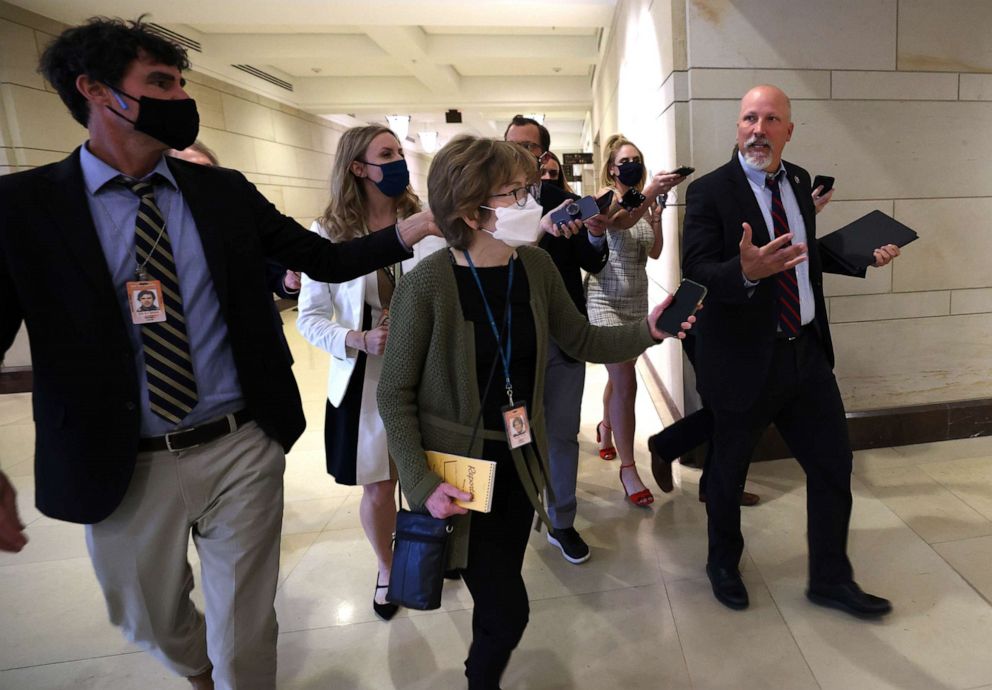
<point x="683" y="170"/>
<point x="584" y="208"/>
<point x="826" y="181"/>
<point x="684" y="304"/>
<point x="604" y="201"/>
<point x="631" y="200"/>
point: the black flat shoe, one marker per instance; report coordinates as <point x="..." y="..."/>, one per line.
<point x="384" y="611"/>
<point x="848" y="597"/>
<point x="728" y="587"/>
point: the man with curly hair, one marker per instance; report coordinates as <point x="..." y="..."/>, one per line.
<point x="150" y="432"/>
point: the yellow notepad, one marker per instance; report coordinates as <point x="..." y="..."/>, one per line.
<point x="468" y="474"/>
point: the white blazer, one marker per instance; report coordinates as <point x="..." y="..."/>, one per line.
<point x="329" y="310"/>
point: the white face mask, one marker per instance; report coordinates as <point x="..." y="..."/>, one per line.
<point x="517" y="226"/>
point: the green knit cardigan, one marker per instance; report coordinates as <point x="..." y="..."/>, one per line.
<point x="428" y="391"/>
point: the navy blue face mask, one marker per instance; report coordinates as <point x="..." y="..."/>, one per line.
<point x="395" y="177"/>
<point x="174" y="122"/>
<point x="631" y="173"/>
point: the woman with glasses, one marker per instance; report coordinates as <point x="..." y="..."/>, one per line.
<point x="619" y="294"/>
<point x="369" y="190"/>
<point x="466" y="356"/>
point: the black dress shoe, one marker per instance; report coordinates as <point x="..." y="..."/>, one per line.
<point x="728" y="587"/>
<point x="661" y="466"/>
<point x="848" y="597"/>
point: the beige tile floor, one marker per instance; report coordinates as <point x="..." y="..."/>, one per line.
<point x="638" y="614"/>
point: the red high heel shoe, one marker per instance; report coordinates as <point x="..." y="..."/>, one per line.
<point x="642" y="498"/>
<point x="607" y="452"/>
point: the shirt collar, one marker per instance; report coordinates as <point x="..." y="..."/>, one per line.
<point x="97" y="174"/>
<point x="758" y="177"/>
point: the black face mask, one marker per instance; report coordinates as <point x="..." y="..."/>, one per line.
<point x="631" y="173"/>
<point x="173" y="122"/>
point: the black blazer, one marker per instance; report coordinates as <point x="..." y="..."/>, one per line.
<point x="574" y="254"/>
<point x="85" y="383"/>
<point x="735" y="332"/>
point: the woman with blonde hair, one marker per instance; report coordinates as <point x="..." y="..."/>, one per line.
<point x="619" y="293"/>
<point x="370" y="190"/>
<point x="471" y="328"/>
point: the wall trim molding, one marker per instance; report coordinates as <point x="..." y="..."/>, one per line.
<point x="878" y="428"/>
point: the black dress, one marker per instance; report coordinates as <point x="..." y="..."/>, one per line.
<point x="341" y="422"/>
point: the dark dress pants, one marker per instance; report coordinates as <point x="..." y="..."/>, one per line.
<point x="802" y="399"/>
<point x="497" y="541"/>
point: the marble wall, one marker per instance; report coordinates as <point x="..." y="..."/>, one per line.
<point x="894" y="99"/>
<point x="285" y="152"/>
<point x="639" y="89"/>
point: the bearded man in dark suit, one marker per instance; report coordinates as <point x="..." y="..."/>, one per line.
<point x="763" y="349"/>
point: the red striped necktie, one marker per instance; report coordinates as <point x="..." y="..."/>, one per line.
<point x="786" y="284"/>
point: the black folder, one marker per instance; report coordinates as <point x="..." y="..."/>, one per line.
<point x="854" y="245"/>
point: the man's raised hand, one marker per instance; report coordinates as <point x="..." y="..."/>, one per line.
<point x="767" y="260"/>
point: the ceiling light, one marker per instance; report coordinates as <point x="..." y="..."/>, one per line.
<point x="400" y="124"/>
<point x="536" y="116"/>
<point x="428" y="141"/>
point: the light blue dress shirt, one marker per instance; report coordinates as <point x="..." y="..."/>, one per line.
<point x="113" y="208"/>
<point x="757" y="178"/>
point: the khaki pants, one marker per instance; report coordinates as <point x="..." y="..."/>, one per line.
<point x="229" y="495"/>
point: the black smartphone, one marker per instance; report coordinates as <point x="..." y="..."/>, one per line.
<point x="684" y="170"/>
<point x="684" y="304"/>
<point x="631" y="200"/>
<point x="583" y="209"/>
<point x="826" y="181"/>
<point x="604" y="201"/>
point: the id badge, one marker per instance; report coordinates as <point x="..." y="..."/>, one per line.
<point x="517" y="425"/>
<point x="144" y="297"/>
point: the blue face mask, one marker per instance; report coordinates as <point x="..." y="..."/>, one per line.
<point x="395" y="177"/>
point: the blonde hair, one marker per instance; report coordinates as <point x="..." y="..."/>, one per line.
<point x="613" y="145"/>
<point x="463" y="175"/>
<point x="344" y="217"/>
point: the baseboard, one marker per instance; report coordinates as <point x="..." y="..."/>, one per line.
<point x="16" y="380"/>
<point x="881" y="428"/>
<point x="901" y="426"/>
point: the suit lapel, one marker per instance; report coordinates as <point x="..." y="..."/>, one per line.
<point x="201" y="198"/>
<point x="747" y="203"/>
<point x="66" y="201"/>
<point x="803" y="197"/>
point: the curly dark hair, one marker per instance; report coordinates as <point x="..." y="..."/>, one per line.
<point x="102" y="49"/>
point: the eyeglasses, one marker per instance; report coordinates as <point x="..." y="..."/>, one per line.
<point x="534" y="148"/>
<point x="520" y="195"/>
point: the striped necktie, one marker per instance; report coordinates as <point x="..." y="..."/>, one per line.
<point x="168" y="365"/>
<point x="786" y="285"/>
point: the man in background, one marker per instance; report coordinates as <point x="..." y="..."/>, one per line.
<point x="585" y="250"/>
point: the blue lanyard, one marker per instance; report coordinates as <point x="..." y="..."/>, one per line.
<point x="504" y="354"/>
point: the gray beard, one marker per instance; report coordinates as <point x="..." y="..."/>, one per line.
<point x="756" y="159"/>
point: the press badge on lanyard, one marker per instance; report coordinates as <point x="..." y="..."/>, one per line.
<point x="144" y="298"/>
<point x="516" y="422"/>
